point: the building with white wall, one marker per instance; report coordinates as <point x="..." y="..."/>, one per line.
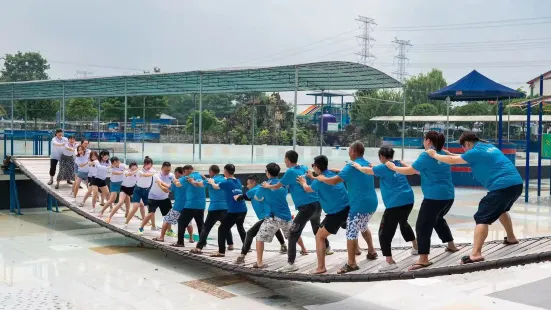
<point x="535" y="85"/>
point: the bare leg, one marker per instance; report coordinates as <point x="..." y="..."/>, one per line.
<point x="165" y="228"/>
<point x="94" y="196"/>
<point x="505" y="220"/>
<point x="259" y="253"/>
<point x="88" y="193"/>
<point x="146" y="219"/>
<point x="369" y="240"/>
<point x="302" y="246"/>
<point x="351" y="248"/>
<point x="108" y="204"/>
<point x="321" y="236"/>
<point x="480" y="234"/>
<point x="190" y="232"/>
<point x="123" y="197"/>
<point x="76" y="186"/>
<point x="133" y="211"/>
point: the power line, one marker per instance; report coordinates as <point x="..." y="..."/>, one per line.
<point x="367" y="25"/>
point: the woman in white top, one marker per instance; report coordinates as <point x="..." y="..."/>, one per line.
<point x="81" y="161"/>
<point x="141" y="191"/>
<point x="117" y="176"/>
<point x="104" y="161"/>
<point x="58" y="144"/>
<point x="67" y="162"/>
<point x="127" y="189"/>
<point x="99" y="174"/>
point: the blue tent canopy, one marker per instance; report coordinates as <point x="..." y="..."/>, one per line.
<point x="475" y="87"/>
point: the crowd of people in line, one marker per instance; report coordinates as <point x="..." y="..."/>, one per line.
<point x="346" y="196"/>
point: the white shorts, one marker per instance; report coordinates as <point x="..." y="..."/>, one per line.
<point x="270" y="226"/>
<point x="356" y="224"/>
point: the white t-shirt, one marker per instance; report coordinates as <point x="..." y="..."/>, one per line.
<point x="93" y="170"/>
<point x="71" y="152"/>
<point x="144" y="182"/>
<point x="117" y="177"/>
<point x="156" y="193"/>
<point x="129" y="180"/>
<point x="57" y="150"/>
<point x="79" y="160"/>
<point x="102" y="170"/>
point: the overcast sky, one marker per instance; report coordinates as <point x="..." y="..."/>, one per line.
<point x="108" y="37"/>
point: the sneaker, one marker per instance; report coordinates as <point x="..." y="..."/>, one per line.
<point x="289" y="268"/>
<point x="386" y="267"/>
<point x="283" y="249"/>
<point x="171" y="233"/>
<point x="414" y="252"/>
<point x="140" y="231"/>
<point x="154" y="228"/>
<point x="125" y="226"/>
<point x="328" y="251"/>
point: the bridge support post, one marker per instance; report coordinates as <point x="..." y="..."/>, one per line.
<point x="14" y="198"/>
<point x="51" y="202"/>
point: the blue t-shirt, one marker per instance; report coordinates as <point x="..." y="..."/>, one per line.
<point x="436" y="177"/>
<point x="195" y="195"/>
<point x="259" y="207"/>
<point x="491" y="168"/>
<point x="361" y="188"/>
<point x="395" y="188"/>
<point x="275" y="200"/>
<point x="217" y="197"/>
<point x="232" y="187"/>
<point x="299" y="195"/>
<point x="179" y="195"/>
<point x="333" y="198"/>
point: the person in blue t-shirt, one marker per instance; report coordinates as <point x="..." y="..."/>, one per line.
<point x="179" y="201"/>
<point x="307" y="205"/>
<point x="398" y="199"/>
<point x="363" y="204"/>
<point x="334" y="202"/>
<point x="237" y="210"/>
<point x="217" y="208"/>
<point x="262" y="213"/>
<point x="500" y="176"/>
<point x="438" y="192"/>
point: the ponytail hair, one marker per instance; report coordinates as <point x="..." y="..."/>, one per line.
<point x="437" y="139"/>
<point x="469" y="136"/>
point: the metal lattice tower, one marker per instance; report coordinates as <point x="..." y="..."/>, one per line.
<point x="367" y="25"/>
<point x="403" y="46"/>
<point x="83" y="73"/>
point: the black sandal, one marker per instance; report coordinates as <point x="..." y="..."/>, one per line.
<point x="506" y="242"/>
<point x="450" y="250"/>
<point x="178" y="245"/>
<point x="468" y="260"/>
<point x="371" y="256"/>
<point x="347" y="268"/>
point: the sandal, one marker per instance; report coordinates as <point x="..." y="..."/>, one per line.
<point x="158" y="239"/>
<point x="256" y="266"/>
<point x="450" y="250"/>
<point x="418" y="266"/>
<point x="347" y="268"/>
<point x="196" y="251"/>
<point x="505" y="241"/>
<point x="303" y="253"/>
<point x="178" y="245"/>
<point x="371" y="256"/>
<point x="240" y="260"/>
<point x="468" y="260"/>
<point x="217" y="255"/>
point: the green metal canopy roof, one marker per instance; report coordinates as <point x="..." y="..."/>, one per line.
<point x="311" y="76"/>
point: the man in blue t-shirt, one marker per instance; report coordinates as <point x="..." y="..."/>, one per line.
<point x="334" y="202"/>
<point x="363" y="204"/>
<point x="262" y="212"/>
<point x="179" y="201"/>
<point x="307" y="205"/>
<point x="217" y="208"/>
<point x="237" y="210"/>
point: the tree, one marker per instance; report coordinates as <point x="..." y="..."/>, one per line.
<point x="424" y="109"/>
<point x="418" y="87"/>
<point x="113" y="107"/>
<point x="81" y="109"/>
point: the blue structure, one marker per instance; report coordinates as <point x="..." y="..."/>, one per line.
<point x="326" y="106"/>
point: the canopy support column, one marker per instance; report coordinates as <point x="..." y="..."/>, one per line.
<point x="500" y="124"/>
<point x="200" y="114"/>
<point x="540" y="132"/>
<point x="125" y="117"/>
<point x="295" y="111"/>
<point x="403" y="123"/>
<point x="448" y="101"/>
<point x="321" y="125"/>
<point x="527" y="167"/>
<point x="194" y="122"/>
<point x="12" y="114"/>
<point x="509" y="121"/>
<point x="62" y="112"/>
<point x="253" y="108"/>
<point x="99" y="121"/>
<point x="143" y="128"/>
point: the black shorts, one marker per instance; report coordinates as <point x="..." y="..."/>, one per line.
<point x="98" y="182"/>
<point x="165" y="205"/>
<point x="495" y="203"/>
<point x="129" y="191"/>
<point x="332" y="222"/>
<point x="90" y="179"/>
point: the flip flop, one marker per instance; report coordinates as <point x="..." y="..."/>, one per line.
<point x="450" y="250"/>
<point x="255" y="265"/>
<point x="177" y="245"/>
<point x="218" y="255"/>
<point x="418" y="266"/>
<point x="505" y="241"/>
<point x="158" y="239"/>
<point x="347" y="268"/>
<point x="371" y="256"/>
<point x="468" y="260"/>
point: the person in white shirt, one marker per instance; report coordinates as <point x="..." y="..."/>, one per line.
<point x="141" y="191"/>
<point x="58" y="144"/>
<point x="158" y="194"/>
<point x="67" y="162"/>
<point x="99" y="174"/>
<point x="81" y="161"/>
<point x="117" y="177"/>
<point x="130" y="179"/>
<point x="104" y="161"/>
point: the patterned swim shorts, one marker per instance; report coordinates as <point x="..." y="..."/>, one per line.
<point x="270" y="226"/>
<point x="172" y="217"/>
<point x="357" y="223"/>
